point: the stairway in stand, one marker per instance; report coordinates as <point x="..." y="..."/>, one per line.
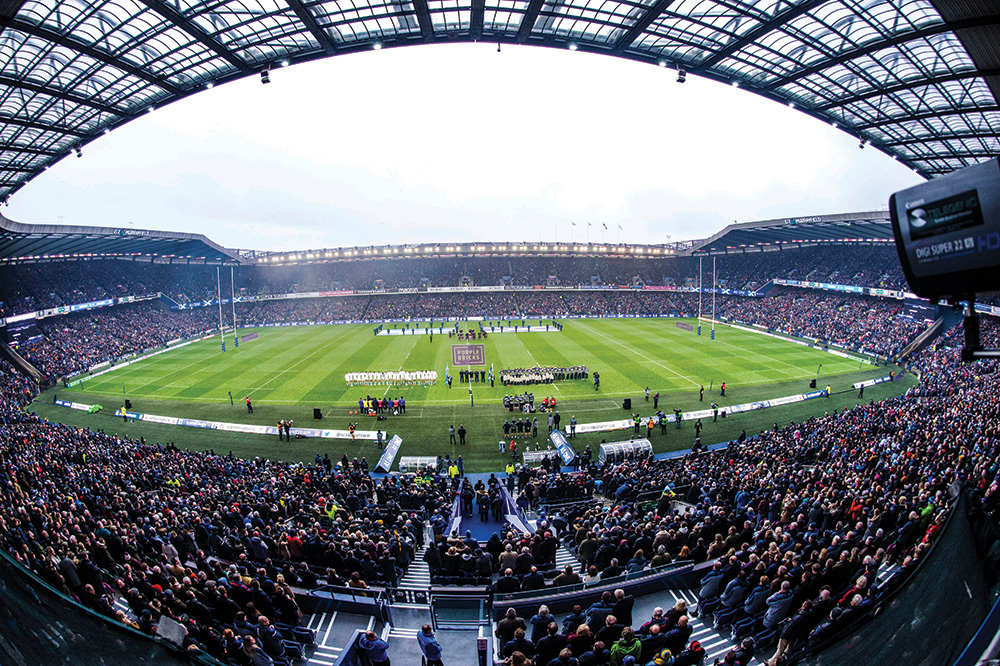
<point x="716" y="644"/>
<point x="418" y="575"/>
<point x="564" y="557"/>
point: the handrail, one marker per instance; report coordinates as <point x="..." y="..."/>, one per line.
<point x="567" y="501"/>
<point x="863" y="618"/>
<point x="379" y="595"/>
<point x="930" y="332"/>
<point x="562" y="590"/>
<point x="36" y="585"/>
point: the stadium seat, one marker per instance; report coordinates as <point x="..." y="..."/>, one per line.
<point x="304" y="635"/>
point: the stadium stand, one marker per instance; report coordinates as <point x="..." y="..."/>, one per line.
<point x="37" y="286"/>
<point x="73" y="343"/>
<point x="76" y="342"/>
<point x="147" y="534"/>
<point x="865" y="325"/>
<point x="802" y="513"/>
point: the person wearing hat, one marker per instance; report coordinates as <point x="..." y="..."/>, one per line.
<point x="663" y="658"/>
<point x="692" y="656"/>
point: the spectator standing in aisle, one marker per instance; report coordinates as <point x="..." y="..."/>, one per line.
<point x="376" y="648"/>
<point x="429" y="646"/>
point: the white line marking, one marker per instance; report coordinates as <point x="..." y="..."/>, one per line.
<point x="304" y="359"/>
<point x="638" y="353"/>
<point x="327" y="634"/>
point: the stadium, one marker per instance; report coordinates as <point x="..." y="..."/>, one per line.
<point x="760" y="446"/>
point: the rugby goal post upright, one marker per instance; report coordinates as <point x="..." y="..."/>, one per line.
<point x="715" y="287"/>
<point x="218" y="295"/>
<point x="701" y="261"/>
<point x="232" y="291"/>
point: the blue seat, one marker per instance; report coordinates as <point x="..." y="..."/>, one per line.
<point x="304" y="635"/>
<point x="292" y="649"/>
<point x="708" y="606"/>
<point x="728" y="616"/>
<point x="748" y="626"/>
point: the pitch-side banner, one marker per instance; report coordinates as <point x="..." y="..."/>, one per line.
<point x="367" y="435"/>
<point x="389" y="455"/>
<point x="873" y="382"/>
<point x="566" y="451"/>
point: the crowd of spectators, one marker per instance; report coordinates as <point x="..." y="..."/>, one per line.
<point x="858" y="265"/>
<point x="866" y="325"/>
<point x="33" y="287"/>
<point x="800" y="520"/>
<point x="317" y="310"/>
<point x="75" y="342"/>
<point x="605" y="633"/>
<point x="809" y="525"/>
<point x="217" y="543"/>
<point x="492" y="305"/>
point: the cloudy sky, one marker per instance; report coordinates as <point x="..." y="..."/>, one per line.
<point x="459" y="143"/>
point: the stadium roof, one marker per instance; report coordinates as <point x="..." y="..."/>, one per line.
<point x="48" y="242"/>
<point x="786" y="232"/>
<point x="917" y="79"/>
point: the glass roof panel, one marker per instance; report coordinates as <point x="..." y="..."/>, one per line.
<point x="599" y="20"/>
<point x="351" y="20"/>
<point x="501" y="20"/>
<point x="449" y="14"/>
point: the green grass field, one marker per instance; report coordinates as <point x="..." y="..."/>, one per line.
<point x="289" y="371"/>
